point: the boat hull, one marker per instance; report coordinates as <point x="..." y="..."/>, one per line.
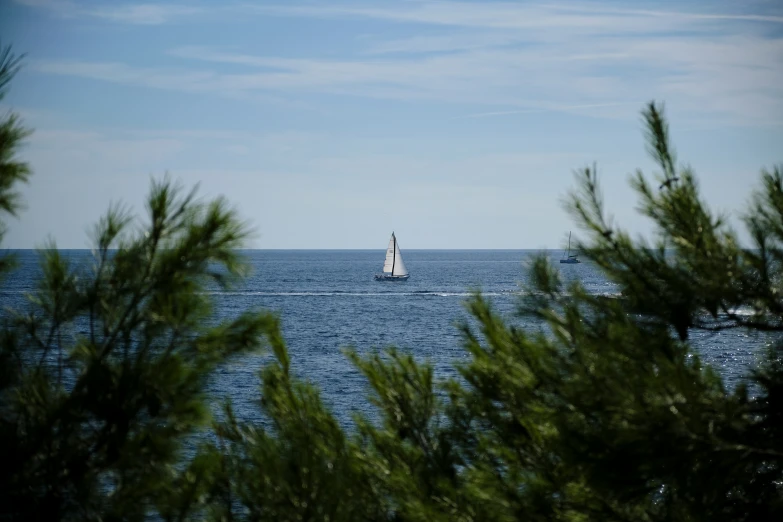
<point x="389" y="277"/>
<point x="570" y="261"/>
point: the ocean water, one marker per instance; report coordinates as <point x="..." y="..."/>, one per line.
<point x="328" y="300"/>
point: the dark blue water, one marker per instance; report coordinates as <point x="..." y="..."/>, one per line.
<point x="329" y="300"/>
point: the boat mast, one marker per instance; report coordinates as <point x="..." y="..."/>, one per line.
<point x="394" y="251"/>
<point x="568" y="254"/>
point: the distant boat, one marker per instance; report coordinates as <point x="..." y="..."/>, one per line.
<point x="393" y="268"/>
<point x="570" y="258"/>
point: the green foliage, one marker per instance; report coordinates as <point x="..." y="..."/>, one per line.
<point x="112" y="363"/>
<point x="606" y="413"/>
<point x="103" y="375"/>
<point x="303" y="467"/>
<point x="12" y="171"/>
<point x="603" y="413"/>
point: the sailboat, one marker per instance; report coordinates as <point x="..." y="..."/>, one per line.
<point x="570" y="258"/>
<point x="393" y="268"/>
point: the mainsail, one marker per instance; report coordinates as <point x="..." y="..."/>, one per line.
<point x="394" y="264"/>
<point x="568" y="256"/>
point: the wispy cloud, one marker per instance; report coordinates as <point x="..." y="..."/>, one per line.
<point x="579" y="15"/>
<point x="129" y="13"/>
<point x="99" y="150"/>
<point x="552" y="108"/>
<point x="574" y="16"/>
<point x="515" y="58"/>
<point x="670" y="14"/>
<point x="122" y="73"/>
<point x="170" y="79"/>
<point x="144" y="13"/>
<point x="444" y="43"/>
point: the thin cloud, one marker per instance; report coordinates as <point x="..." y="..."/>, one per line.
<point x="702" y="64"/>
<point x="145" y="14"/>
<point x="555" y="108"/>
<point x="483" y="15"/>
<point x="580" y="16"/>
<point x="447" y="43"/>
<point x="117" y="72"/>
<point x="170" y="79"/>
<point x="133" y="13"/>
<point x="506" y="15"/>
<point x="60" y="7"/>
<point x="681" y="15"/>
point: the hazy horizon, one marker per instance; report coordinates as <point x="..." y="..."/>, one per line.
<point x="456" y="124"/>
<point x="340" y="249"/>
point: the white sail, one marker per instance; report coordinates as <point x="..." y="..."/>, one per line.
<point x="394" y="264"/>
<point x="388" y="265"/>
<point x="393" y="267"/>
<point x="399" y="265"/>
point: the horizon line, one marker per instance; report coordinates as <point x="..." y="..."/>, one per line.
<point x="304" y="249"/>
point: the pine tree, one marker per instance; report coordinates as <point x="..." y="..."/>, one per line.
<point x="12" y="133"/>
<point x="606" y="413"/>
<point x="103" y="374"/>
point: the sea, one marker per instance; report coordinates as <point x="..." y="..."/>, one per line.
<point x="328" y="300"/>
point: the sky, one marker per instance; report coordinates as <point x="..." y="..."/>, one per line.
<point x="332" y="124"/>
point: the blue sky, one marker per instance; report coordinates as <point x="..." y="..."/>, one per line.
<point x="330" y="124"/>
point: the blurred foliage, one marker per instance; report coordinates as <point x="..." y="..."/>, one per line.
<point x="103" y="374"/>
<point x="604" y="413"/>
<point x="12" y="133"/>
